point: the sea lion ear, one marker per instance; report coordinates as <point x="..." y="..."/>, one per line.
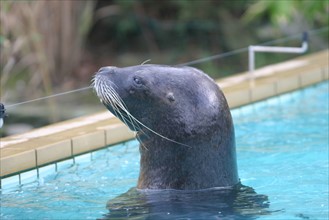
<point x="170" y="96"/>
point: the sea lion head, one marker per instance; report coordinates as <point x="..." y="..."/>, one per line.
<point x="176" y="102"/>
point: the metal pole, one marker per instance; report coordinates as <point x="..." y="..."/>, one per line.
<point x="269" y="49"/>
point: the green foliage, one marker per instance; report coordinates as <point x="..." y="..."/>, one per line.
<point x="285" y="11"/>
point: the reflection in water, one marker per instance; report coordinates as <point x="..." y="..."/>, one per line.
<point x="216" y="203"/>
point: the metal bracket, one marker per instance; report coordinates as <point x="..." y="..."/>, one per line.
<point x="271" y="49"/>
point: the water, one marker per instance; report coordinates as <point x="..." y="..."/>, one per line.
<point x="282" y="150"/>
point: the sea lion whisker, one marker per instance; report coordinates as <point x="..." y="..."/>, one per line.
<point x="118" y="105"/>
<point x="117" y="110"/>
<point x="156" y="133"/>
<point x="134" y="121"/>
<point x="122" y="106"/>
<point x="146" y="61"/>
<point x="118" y="114"/>
<point x="141" y="142"/>
<point x="93" y="81"/>
<point x="160" y="135"/>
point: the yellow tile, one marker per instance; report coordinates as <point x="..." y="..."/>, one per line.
<point x="118" y="133"/>
<point x="312" y="77"/>
<point x="10" y="151"/>
<point x="286" y="84"/>
<point x="262" y="91"/>
<point x="238" y="98"/>
<point x="54" y="152"/>
<point x="88" y="142"/>
<point x="19" y="162"/>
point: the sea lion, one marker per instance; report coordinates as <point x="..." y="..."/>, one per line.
<point x="183" y="124"/>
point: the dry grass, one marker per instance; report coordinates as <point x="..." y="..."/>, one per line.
<point x="41" y="43"/>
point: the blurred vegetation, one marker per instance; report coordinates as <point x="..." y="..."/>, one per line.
<point x="52" y="46"/>
<point x="283" y="13"/>
<point x="47" y="45"/>
<point x="177" y="31"/>
<point x="41" y="45"/>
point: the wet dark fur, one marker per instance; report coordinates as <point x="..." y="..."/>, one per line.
<point x="186" y="107"/>
<point x="241" y="203"/>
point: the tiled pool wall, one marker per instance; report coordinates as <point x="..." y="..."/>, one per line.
<point x="27" y="157"/>
<point x="38" y="174"/>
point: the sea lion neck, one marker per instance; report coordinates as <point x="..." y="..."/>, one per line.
<point x="167" y="165"/>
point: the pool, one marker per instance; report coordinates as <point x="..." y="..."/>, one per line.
<point x="282" y="150"/>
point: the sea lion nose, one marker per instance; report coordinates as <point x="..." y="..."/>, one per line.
<point x="106" y="69"/>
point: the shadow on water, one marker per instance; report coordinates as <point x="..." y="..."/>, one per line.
<point x="239" y="203"/>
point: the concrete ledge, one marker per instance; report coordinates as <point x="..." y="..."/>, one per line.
<point x="276" y="79"/>
<point x="73" y="137"/>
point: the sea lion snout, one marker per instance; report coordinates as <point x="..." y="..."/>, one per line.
<point x="106" y="70"/>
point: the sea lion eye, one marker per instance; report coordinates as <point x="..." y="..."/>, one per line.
<point x="137" y="81"/>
